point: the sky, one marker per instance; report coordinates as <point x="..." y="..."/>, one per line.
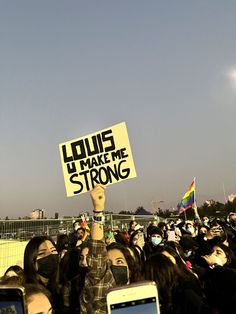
<point x="71" y="68"/>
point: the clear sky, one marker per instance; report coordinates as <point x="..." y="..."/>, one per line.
<point x="70" y="68"/>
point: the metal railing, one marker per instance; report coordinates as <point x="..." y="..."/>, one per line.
<point x="15" y="234"/>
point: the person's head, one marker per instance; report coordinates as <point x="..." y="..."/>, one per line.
<point x="122" y="237"/>
<point x="155" y="236"/>
<point x="76" y="225"/>
<point x="165" y="273"/>
<point x="163" y="226"/>
<point x="203" y="229"/>
<point x="40" y="260"/>
<point x="80" y="233"/>
<point x="215" y="230"/>
<point x="132" y="225"/>
<point x="190" y="229"/>
<point x="37" y="300"/>
<point x="83" y="262"/>
<point x="170" y="253"/>
<point x="205" y="220"/>
<point x="232" y="219"/>
<point x="122" y="263"/>
<point x="223" y="254"/>
<point x="14" y="270"/>
<point x="12" y="281"/>
<point x="134" y="238"/>
<point x="188" y="244"/>
<point x="62" y="244"/>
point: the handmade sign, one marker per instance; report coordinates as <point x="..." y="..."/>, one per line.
<point x="103" y="157"/>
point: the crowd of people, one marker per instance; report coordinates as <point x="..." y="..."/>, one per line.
<point x="192" y="262"/>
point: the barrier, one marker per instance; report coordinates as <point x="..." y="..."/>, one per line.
<point x="15" y="234"/>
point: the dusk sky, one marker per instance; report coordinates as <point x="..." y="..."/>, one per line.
<point x="71" y="68"/>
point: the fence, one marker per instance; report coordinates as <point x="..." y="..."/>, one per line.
<point x="15" y="234"/>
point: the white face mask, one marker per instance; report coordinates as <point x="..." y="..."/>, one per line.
<point x="187" y="253"/>
<point x="156" y="240"/>
<point x="191" y="230"/>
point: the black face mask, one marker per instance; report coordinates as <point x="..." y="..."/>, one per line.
<point x="47" y="266"/>
<point x="120" y="274"/>
<point x="83" y="271"/>
<point x="233" y="223"/>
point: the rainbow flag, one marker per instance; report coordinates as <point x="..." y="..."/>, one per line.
<point x="188" y="199"/>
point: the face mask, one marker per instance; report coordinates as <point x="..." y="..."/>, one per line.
<point x="120" y="274"/>
<point x="187" y="253"/>
<point x="83" y="271"/>
<point x="233" y="223"/>
<point x="156" y="241"/>
<point x="191" y="230"/>
<point x="47" y="266"/>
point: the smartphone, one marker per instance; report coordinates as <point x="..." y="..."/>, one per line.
<point x="171" y="235"/>
<point x="12" y="300"/>
<point x="136" y="298"/>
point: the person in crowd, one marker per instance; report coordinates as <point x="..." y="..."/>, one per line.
<point x="189" y="246"/>
<point x="132" y="225"/>
<point x="41" y="266"/>
<point x="164" y="228"/>
<point x="73" y="278"/>
<point x="62" y="244"/>
<point x="123" y="266"/>
<point x="122" y="237"/>
<point x="139" y="259"/>
<point x="202" y="230"/>
<point x="15" y="270"/>
<point x="189" y="228"/>
<point x="177" y="293"/>
<point x="78" y="235"/>
<point x="219" y="279"/>
<point x="205" y="221"/>
<point x="154" y="243"/>
<point x="37" y="299"/>
<point x="230" y="227"/>
<point x="137" y="241"/>
<point x="12" y="281"/>
<point x="99" y="277"/>
<point x="106" y="268"/>
<point x="109" y="237"/>
<point x="215" y="230"/>
<point x="221" y="255"/>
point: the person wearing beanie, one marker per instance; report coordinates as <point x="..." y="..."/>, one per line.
<point x="154" y="243"/>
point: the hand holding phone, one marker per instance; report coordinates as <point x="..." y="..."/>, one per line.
<point x="137" y="298"/>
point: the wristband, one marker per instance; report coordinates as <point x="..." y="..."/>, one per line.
<point x="98" y="212"/>
<point x="99" y="219"/>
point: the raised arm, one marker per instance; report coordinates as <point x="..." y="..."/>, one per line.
<point x="98" y="200"/>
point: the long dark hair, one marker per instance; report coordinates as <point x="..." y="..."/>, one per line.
<point x="166" y="274"/>
<point x="30" y="257"/>
<point x="134" y="272"/>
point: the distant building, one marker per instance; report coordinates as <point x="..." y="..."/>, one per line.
<point x="37" y="214"/>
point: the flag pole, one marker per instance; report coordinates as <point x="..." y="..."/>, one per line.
<point x="194" y="198"/>
<point x="185" y="216"/>
<point x="194" y="201"/>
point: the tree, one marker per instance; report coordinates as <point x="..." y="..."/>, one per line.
<point x="141" y="211"/>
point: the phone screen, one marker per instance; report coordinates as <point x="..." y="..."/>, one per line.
<point x="147" y="305"/>
<point x="11" y="301"/>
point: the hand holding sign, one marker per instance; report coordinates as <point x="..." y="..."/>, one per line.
<point x="98" y="198"/>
